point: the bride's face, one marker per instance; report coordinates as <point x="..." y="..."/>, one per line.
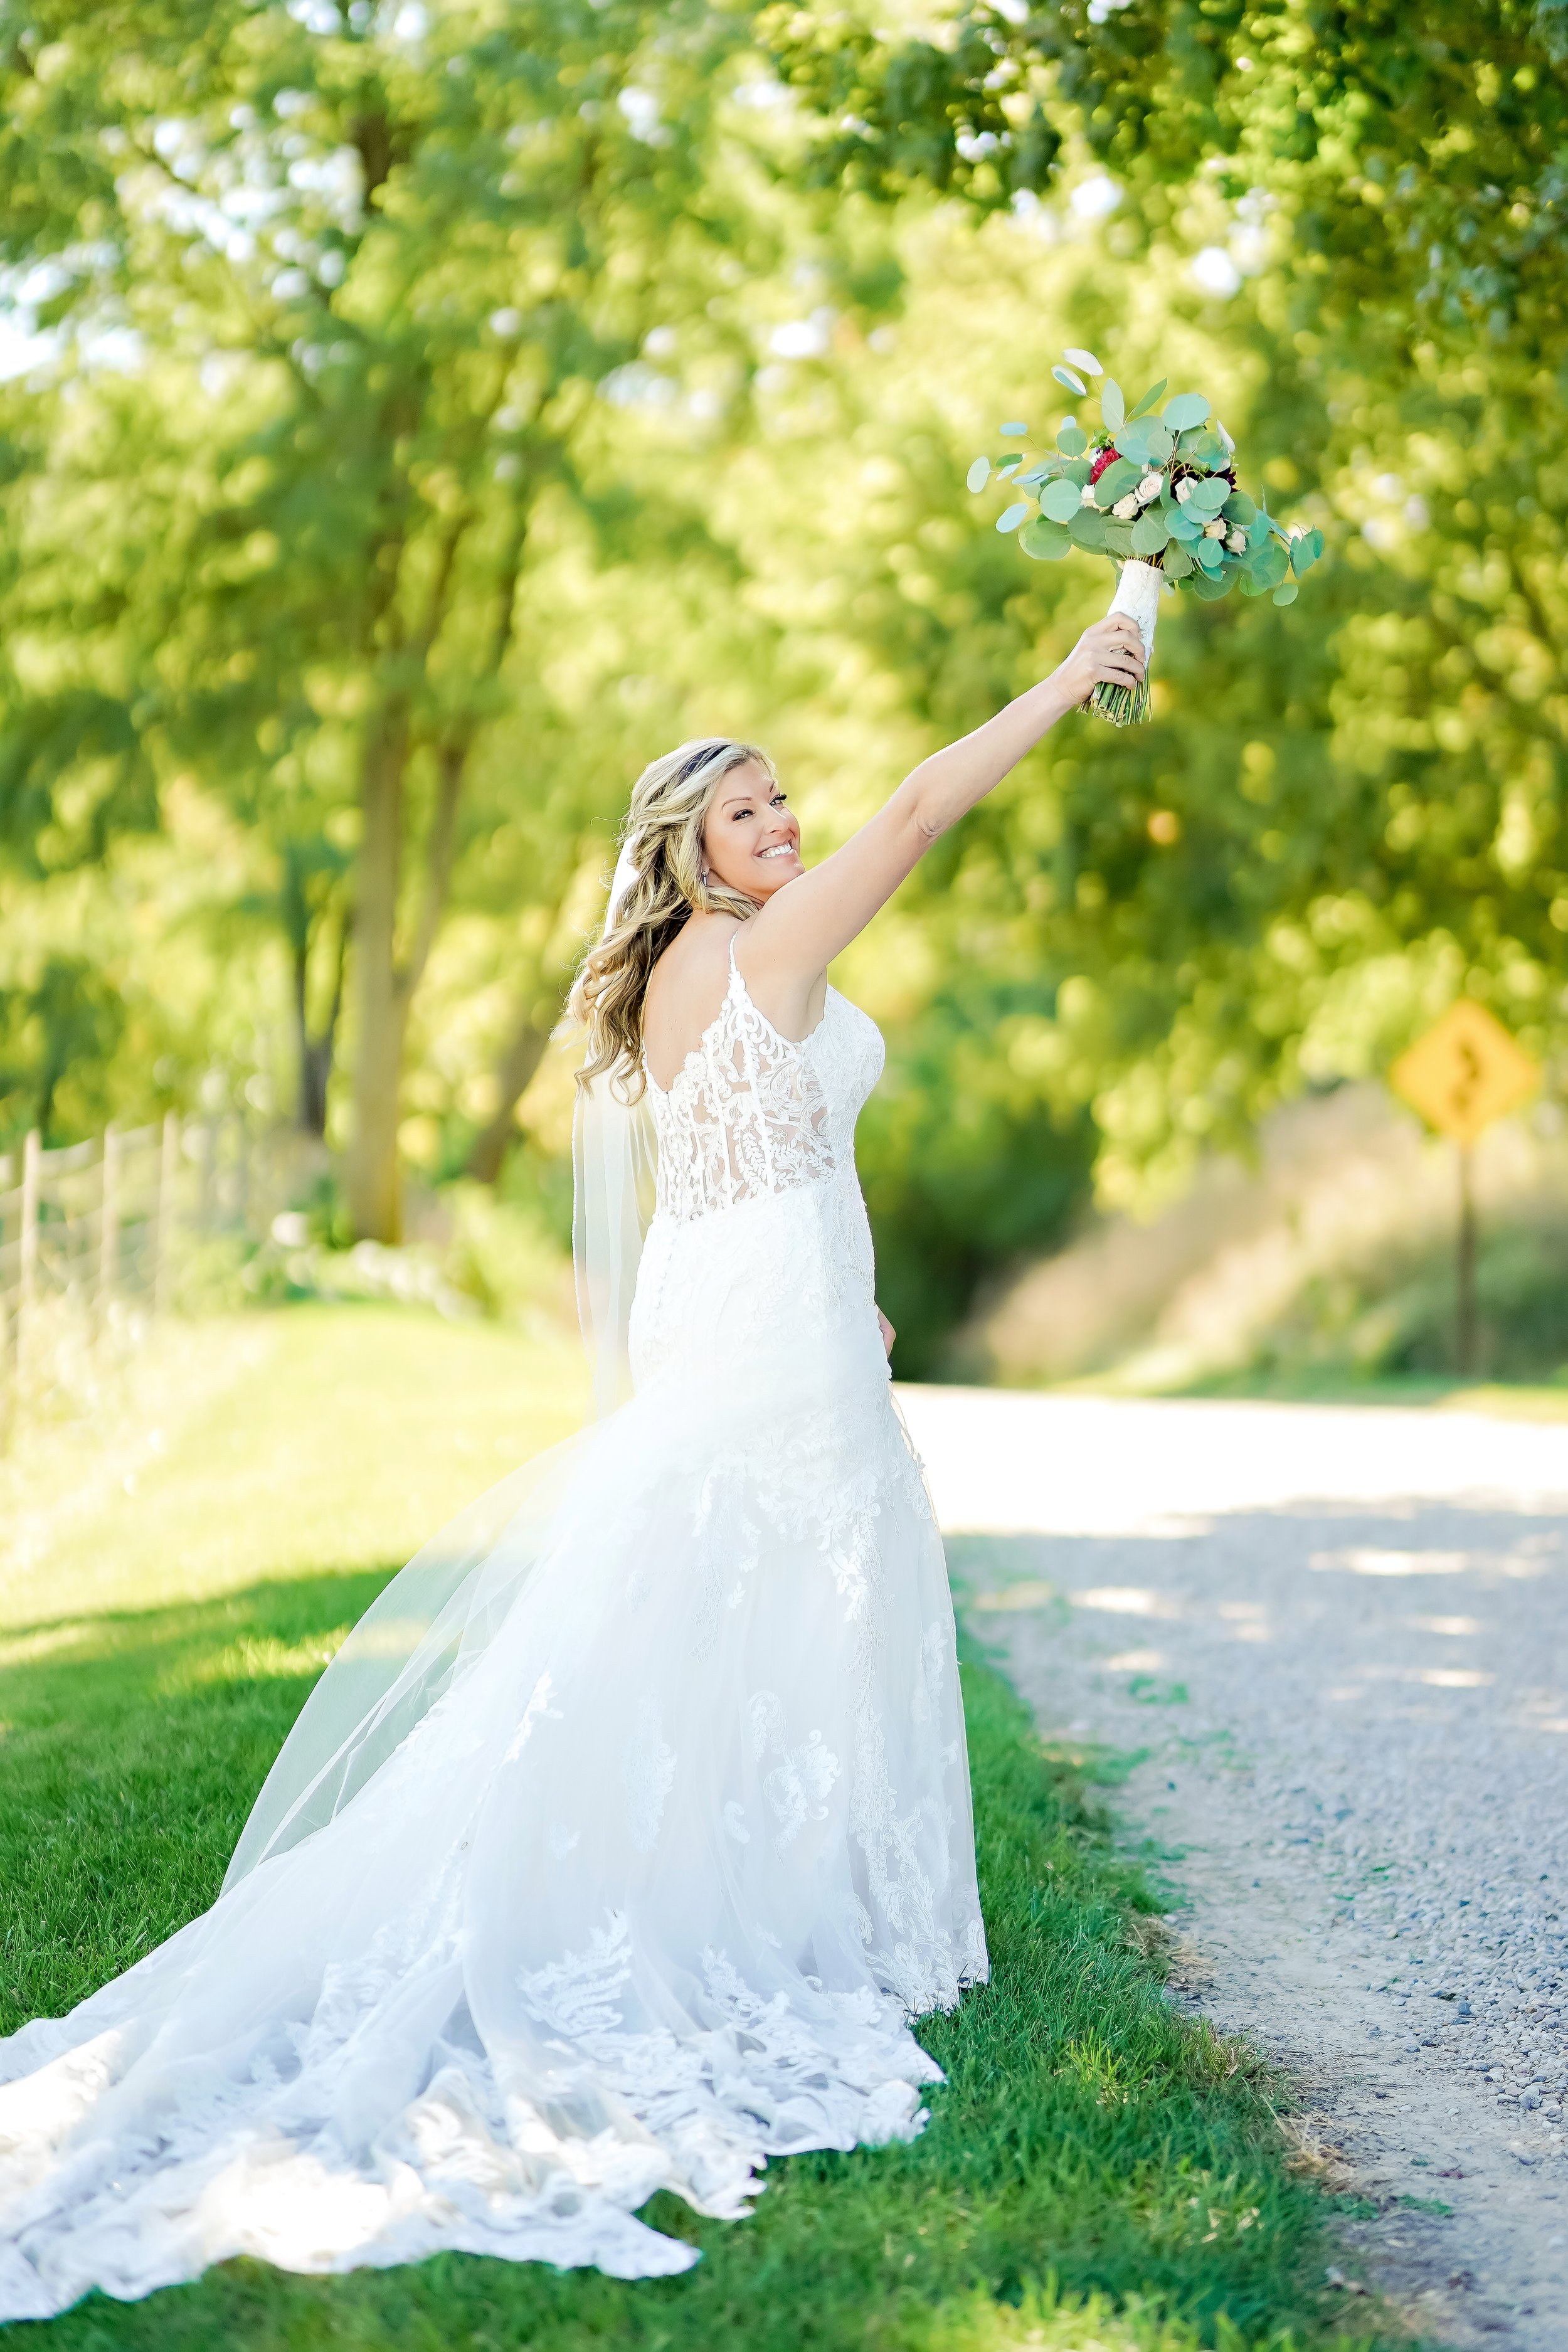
<point x="751" y="840"/>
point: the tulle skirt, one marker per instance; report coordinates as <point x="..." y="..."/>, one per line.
<point x="614" y="1852"/>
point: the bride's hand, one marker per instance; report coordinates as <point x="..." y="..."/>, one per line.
<point x="889" y="1334"/>
<point x="1111" y="651"/>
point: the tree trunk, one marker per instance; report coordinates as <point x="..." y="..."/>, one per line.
<point x="372" y="1177"/>
<point x="518" y="1065"/>
<point x="386" y="985"/>
<point x="316" y="1053"/>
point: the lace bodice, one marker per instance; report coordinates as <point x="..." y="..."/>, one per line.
<point x="751" y="1112"/>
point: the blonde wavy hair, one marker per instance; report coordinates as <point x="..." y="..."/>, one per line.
<point x="663" y="834"/>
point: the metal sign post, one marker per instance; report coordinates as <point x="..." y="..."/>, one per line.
<point x="1464" y="1072"/>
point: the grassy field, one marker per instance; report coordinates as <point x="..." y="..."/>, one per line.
<point x="1099" y="2176"/>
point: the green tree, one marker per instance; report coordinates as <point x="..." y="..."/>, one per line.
<point x="382" y="266"/>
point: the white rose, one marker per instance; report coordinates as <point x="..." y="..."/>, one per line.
<point x="1148" y="489"/>
<point x="1125" y="509"/>
<point x="1214" y="530"/>
<point x="1086" y="496"/>
<point x="1185" y="489"/>
<point x="1237" y="540"/>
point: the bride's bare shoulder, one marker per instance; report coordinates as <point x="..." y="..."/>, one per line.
<point x="685" y="989"/>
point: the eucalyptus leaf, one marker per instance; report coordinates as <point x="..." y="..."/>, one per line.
<point x="1117" y="480"/>
<point x="1177" y="561"/>
<point x="1205" y="552"/>
<point x="1238" y="507"/>
<point x="1009" y="465"/>
<point x="1012" y="432"/>
<point x="1112" y="408"/>
<point x="1085" y="360"/>
<point x="1046" y="541"/>
<point x="1187" y="408"/>
<point x="979" y="474"/>
<point x="1073" y="383"/>
<point x="1270" y="563"/>
<point x="1072" y="440"/>
<point x="1280" y="534"/>
<point x="1303" y="554"/>
<point x="1033" y="475"/>
<point x="1077" y="470"/>
<point x="1161" y="440"/>
<point x="1251" y="586"/>
<point x="1209" y="496"/>
<point x="1151" y="532"/>
<point x="1200" y="447"/>
<point x="1118" y="536"/>
<point x="1087" y="527"/>
<point x="1150" y="397"/>
<point x="1183" y="525"/>
<point x="1212" y="585"/>
<point x="1132" y="440"/>
<point x="1288" y="593"/>
<point x="1011" y="516"/>
<point x="1059" y="500"/>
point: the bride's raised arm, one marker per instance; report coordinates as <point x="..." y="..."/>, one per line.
<point x="805" y="925"/>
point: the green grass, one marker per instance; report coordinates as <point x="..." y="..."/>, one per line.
<point x="1098" y="2171"/>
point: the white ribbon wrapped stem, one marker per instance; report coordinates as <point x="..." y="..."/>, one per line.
<point x="1137" y="595"/>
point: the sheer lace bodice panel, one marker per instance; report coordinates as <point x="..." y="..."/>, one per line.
<point x="751" y="1112"/>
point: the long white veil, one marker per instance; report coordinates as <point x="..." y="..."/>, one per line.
<point x="444" y="1609"/>
<point x="614" y="1160"/>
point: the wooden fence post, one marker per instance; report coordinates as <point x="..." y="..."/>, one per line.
<point x="169" y="1168"/>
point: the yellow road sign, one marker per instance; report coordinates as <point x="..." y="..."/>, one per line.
<point x="1465" y="1072"/>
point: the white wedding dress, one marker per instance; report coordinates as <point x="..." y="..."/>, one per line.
<point x="625" y="1835"/>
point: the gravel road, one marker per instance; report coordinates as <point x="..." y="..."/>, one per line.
<point x="1337" y="1642"/>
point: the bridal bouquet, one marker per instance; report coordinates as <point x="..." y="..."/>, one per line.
<point x="1155" y="489"/>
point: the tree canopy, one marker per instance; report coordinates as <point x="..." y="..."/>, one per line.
<point x="416" y="419"/>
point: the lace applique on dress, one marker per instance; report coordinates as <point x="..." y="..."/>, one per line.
<point x="749" y="1112"/>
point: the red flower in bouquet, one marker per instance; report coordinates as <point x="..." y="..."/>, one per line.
<point x="1103" y="457"/>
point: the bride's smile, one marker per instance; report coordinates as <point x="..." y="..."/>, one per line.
<point x="750" y="828"/>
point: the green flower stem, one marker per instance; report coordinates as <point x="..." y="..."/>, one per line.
<point x="1124" y="706"/>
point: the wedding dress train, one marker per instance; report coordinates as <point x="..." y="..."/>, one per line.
<point x="624" y="1836"/>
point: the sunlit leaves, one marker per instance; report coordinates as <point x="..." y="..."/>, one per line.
<point x="1059" y="500"/>
<point x="1147" y="439"/>
<point x="1044" y="540"/>
<point x="1151" y="532"/>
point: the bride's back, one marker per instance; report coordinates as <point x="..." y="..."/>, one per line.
<point x="686" y="992"/>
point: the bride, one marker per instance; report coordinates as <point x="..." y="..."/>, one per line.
<point x="630" y="1827"/>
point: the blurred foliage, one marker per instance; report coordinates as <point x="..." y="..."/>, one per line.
<point x="413" y="422"/>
